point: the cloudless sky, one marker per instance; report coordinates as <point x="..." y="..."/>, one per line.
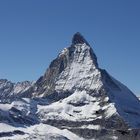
<point x="33" y="32"/>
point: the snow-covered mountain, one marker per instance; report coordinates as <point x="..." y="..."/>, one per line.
<point x="9" y="89"/>
<point x="75" y="98"/>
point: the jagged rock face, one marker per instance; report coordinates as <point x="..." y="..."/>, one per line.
<point x="5" y="87"/>
<point x="9" y="89"/>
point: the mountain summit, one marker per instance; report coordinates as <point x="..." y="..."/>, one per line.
<point x="76" y="95"/>
<point x="73" y="68"/>
<point x="78" y="39"/>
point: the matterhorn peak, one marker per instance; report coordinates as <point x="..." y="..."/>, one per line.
<point x="79" y="39"/>
<point x="79" y="51"/>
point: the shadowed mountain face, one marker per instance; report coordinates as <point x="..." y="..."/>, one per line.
<point x="79" y="39"/>
<point x="75" y="94"/>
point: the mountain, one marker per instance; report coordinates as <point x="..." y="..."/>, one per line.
<point x="9" y="89"/>
<point x="75" y="98"/>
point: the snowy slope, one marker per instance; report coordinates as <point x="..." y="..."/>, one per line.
<point x="126" y="103"/>
<point x="78" y="107"/>
<point x="80" y="72"/>
<point x="36" y="132"/>
<point x="20" y="122"/>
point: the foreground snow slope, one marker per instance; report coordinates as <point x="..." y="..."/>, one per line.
<point x="37" y="132"/>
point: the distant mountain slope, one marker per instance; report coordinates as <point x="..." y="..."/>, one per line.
<point x="9" y="89"/>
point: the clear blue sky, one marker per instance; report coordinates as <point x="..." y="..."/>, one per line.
<point x="32" y="32"/>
